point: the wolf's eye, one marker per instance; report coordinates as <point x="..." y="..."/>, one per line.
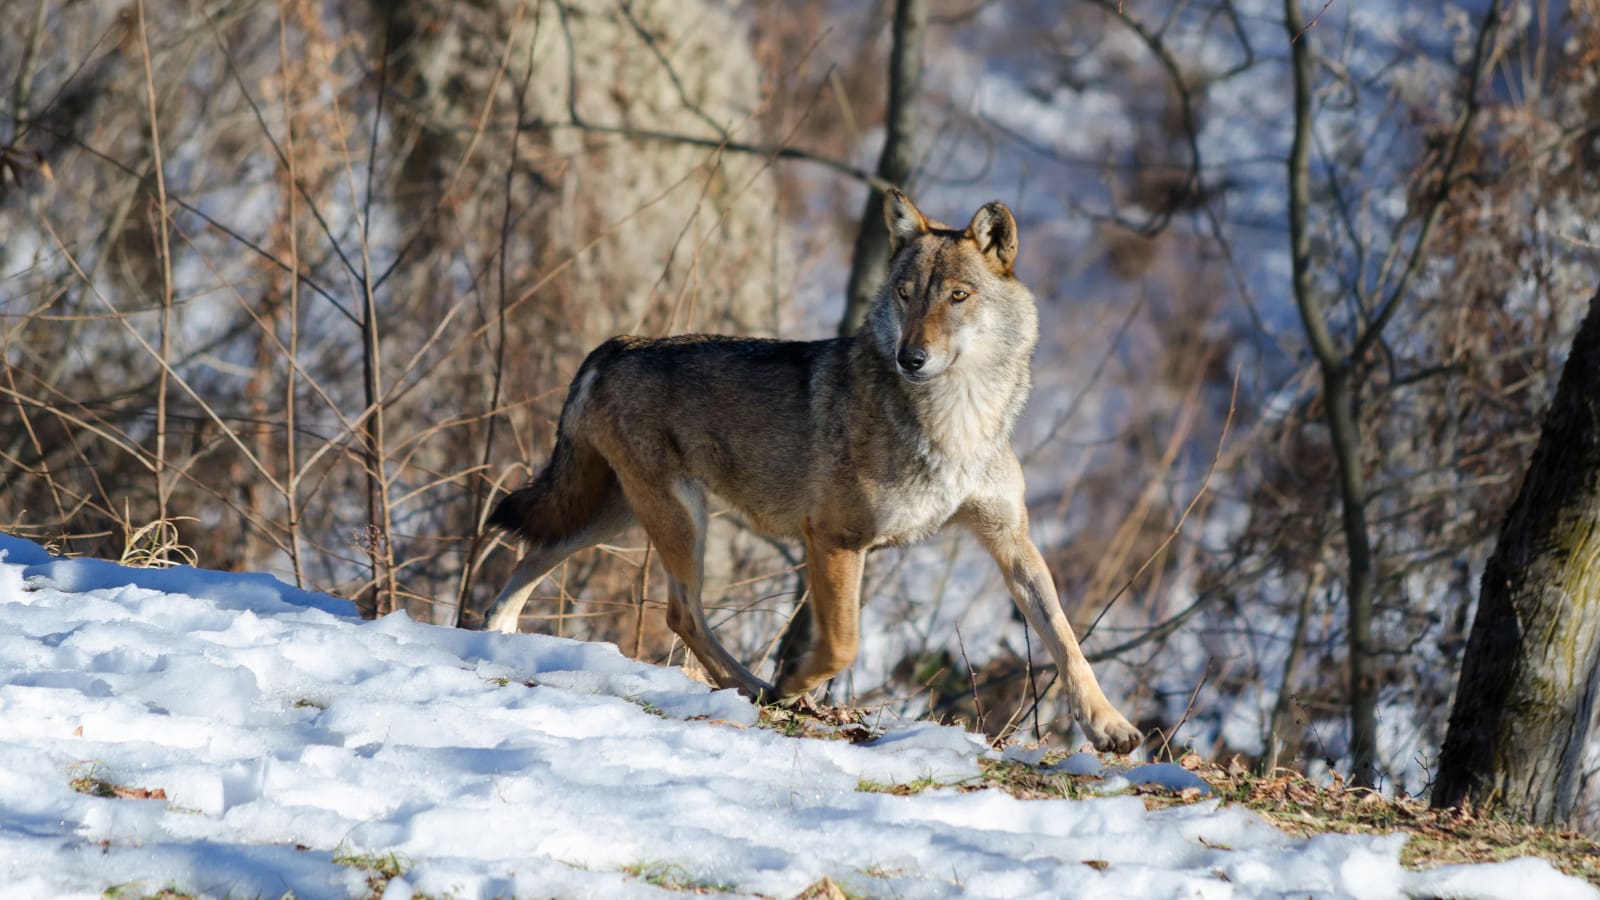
<point x="905" y="291"/>
<point x="958" y="296"/>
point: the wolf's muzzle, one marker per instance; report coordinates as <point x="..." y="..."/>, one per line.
<point x="911" y="359"/>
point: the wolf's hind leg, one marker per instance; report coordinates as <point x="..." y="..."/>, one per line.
<point x="675" y="519"/>
<point x="611" y="518"/>
<point x="505" y="613"/>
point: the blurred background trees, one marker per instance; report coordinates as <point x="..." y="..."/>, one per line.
<point x="297" y="287"/>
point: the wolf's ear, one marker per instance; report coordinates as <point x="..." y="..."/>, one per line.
<point x="995" y="232"/>
<point x="905" y="221"/>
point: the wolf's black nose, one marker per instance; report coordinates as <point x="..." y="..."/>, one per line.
<point x="911" y="359"/>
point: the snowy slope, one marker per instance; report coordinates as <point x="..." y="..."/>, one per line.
<point x="284" y="732"/>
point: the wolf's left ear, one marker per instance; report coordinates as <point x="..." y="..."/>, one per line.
<point x="995" y="232"/>
<point x="905" y="221"/>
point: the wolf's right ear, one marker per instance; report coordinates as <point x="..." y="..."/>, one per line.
<point x="905" y="221"/>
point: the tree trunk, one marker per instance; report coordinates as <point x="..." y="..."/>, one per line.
<point x="1526" y="695"/>
<point x="871" y="258"/>
<point x="1339" y="395"/>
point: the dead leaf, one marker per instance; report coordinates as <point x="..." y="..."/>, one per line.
<point x="822" y="890"/>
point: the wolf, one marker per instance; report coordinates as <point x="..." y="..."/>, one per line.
<point x="849" y="445"/>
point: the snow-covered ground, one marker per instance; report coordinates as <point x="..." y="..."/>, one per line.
<point x="283" y="733"/>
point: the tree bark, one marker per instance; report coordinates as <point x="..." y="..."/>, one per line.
<point x="871" y="258"/>
<point x="1525" y="699"/>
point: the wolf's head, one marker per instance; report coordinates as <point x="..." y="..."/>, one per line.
<point x="951" y="294"/>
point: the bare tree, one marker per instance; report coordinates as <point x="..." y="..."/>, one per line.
<point x="871" y="257"/>
<point x="1525" y="702"/>
<point x="1341" y="367"/>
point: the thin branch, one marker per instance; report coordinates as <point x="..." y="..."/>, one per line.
<point x="672" y="73"/>
<point x="163" y="486"/>
<point x="201" y="214"/>
<point x="1177" y="528"/>
<point x="770" y="151"/>
<point x="1191" y="130"/>
<point x="1441" y="195"/>
<point x="266" y="132"/>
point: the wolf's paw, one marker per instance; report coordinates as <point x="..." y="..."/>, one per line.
<point x="753" y="688"/>
<point x="802" y="703"/>
<point x="502" y="622"/>
<point x="1110" y="732"/>
<point x="792" y="689"/>
<point x="799" y="701"/>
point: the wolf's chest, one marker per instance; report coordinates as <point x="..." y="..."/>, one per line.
<point x="916" y="506"/>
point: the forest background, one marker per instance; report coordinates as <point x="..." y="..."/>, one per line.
<point x="298" y="287"/>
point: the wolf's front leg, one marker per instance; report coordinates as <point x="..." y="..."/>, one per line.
<point x="835" y="575"/>
<point x="1003" y="528"/>
<point x="1035" y="593"/>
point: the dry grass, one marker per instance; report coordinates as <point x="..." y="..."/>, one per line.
<point x="1297" y="805"/>
<point x="90" y="778"/>
<point x="671" y="877"/>
<point x="156" y="545"/>
<point x="134" y="890"/>
<point x="1288" y="800"/>
<point x="806" y="719"/>
<point x="380" y="869"/>
<point x="1300" y="806"/>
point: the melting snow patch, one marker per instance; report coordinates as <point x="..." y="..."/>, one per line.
<point x="1171" y="776"/>
<point x="1081" y="764"/>
<point x="1504" y="879"/>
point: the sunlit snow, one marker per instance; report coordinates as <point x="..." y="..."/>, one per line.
<point x="284" y="733"/>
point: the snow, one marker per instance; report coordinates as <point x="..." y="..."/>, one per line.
<point x="286" y="733"/>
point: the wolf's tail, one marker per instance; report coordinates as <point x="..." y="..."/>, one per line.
<point x="577" y="489"/>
